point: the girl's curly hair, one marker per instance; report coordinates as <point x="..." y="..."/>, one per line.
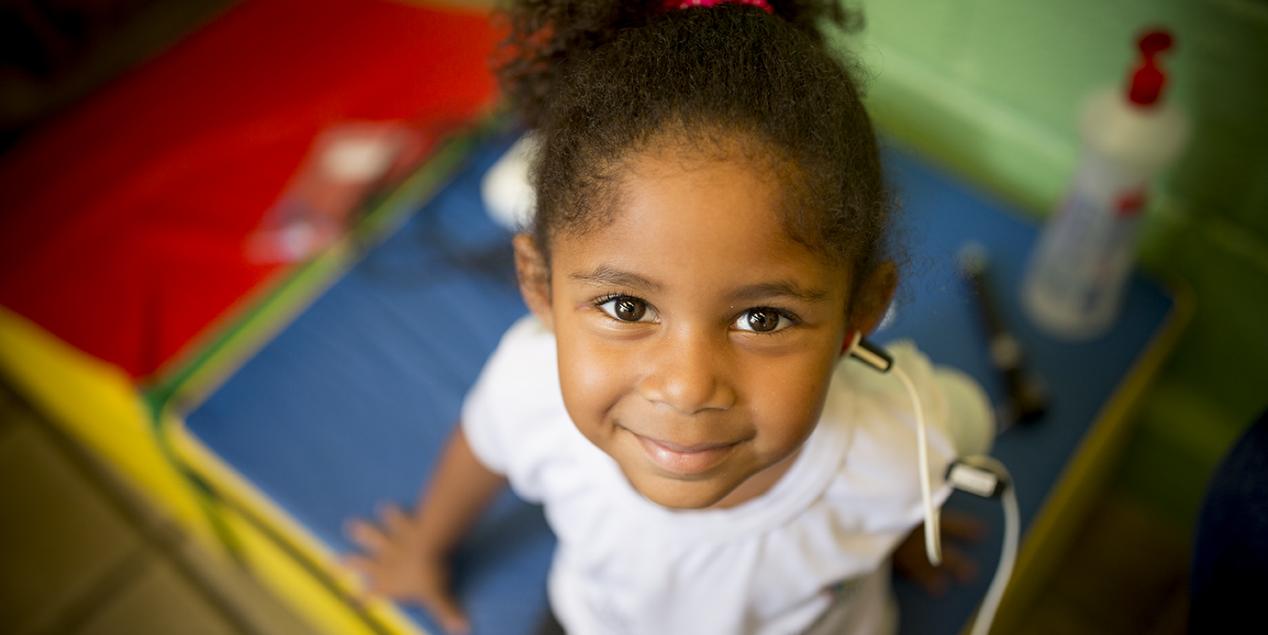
<point x="598" y="80"/>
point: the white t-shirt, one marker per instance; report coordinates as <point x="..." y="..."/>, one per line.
<point x="771" y="565"/>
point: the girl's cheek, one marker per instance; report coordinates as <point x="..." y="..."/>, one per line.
<point x="792" y="394"/>
<point x="590" y="371"/>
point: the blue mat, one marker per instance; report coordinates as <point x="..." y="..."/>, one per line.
<point x="352" y="402"/>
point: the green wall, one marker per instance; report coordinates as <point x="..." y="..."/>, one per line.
<point x="992" y="88"/>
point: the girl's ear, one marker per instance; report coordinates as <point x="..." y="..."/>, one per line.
<point x="873" y="296"/>
<point x="534" y="278"/>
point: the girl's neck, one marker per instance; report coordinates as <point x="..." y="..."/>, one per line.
<point x="757" y="484"/>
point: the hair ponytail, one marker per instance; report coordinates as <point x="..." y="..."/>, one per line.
<point x="544" y="35"/>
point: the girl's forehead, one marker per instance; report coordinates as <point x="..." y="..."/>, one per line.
<point x="703" y="222"/>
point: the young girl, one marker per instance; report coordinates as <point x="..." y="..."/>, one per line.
<point x="709" y="236"/>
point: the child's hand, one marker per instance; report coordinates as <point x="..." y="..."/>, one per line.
<point x="398" y="564"/>
<point x="911" y="562"/>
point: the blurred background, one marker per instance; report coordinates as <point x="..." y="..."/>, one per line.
<point x="106" y="300"/>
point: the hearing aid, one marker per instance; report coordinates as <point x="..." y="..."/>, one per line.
<point x="870" y="354"/>
<point x="979" y="475"/>
<point x="880" y="360"/>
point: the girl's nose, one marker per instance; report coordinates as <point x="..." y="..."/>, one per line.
<point x="689" y="374"/>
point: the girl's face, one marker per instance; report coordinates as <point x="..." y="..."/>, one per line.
<point x="696" y="340"/>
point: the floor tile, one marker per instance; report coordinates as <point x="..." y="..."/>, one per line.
<point x="160" y="601"/>
<point x="58" y="538"/>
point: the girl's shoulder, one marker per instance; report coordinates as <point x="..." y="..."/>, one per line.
<point x="522" y="369"/>
<point x="513" y="417"/>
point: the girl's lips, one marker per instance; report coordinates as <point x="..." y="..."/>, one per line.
<point x="685" y="460"/>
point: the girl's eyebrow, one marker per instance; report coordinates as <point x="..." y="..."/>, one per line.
<point x="605" y="275"/>
<point x="776" y="289"/>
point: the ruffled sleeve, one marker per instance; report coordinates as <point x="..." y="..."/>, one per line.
<point x="509" y="416"/>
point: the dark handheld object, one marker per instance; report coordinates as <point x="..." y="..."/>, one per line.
<point x="1027" y="399"/>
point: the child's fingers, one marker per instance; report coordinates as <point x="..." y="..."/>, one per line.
<point x="360" y="564"/>
<point x="959" y="565"/>
<point x="367" y="536"/>
<point x="961" y="526"/>
<point x="932" y="580"/>
<point x="394" y="519"/>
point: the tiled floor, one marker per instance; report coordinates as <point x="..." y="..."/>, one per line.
<point x="81" y="555"/>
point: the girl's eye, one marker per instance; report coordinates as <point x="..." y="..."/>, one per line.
<point x="627" y="309"/>
<point x="763" y="320"/>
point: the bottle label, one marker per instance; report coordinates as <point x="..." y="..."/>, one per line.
<point x="1085" y="254"/>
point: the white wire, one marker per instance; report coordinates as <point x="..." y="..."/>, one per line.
<point x="1008" y="556"/>
<point x="933" y="533"/>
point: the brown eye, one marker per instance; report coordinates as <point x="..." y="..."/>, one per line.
<point x="762" y="320"/>
<point x="624" y="308"/>
<point x="629" y="309"/>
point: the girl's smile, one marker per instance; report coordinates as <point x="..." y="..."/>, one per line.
<point x="696" y="340"/>
<point x="682" y="460"/>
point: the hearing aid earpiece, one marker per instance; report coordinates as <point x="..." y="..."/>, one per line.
<point x="874" y="356"/>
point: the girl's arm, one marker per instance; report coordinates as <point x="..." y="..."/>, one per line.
<point x="405" y="556"/>
<point x="459" y="491"/>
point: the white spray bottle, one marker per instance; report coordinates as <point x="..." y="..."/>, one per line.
<point x="1074" y="284"/>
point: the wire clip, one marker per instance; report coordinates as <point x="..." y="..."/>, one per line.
<point x="978" y="475"/>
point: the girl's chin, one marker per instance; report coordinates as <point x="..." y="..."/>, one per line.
<point x="676" y="494"/>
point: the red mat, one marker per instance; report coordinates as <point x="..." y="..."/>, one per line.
<point x="123" y="222"/>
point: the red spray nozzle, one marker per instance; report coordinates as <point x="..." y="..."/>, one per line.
<point x="1147" y="80"/>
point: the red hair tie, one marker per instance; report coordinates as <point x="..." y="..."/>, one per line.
<point x="670" y="5"/>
